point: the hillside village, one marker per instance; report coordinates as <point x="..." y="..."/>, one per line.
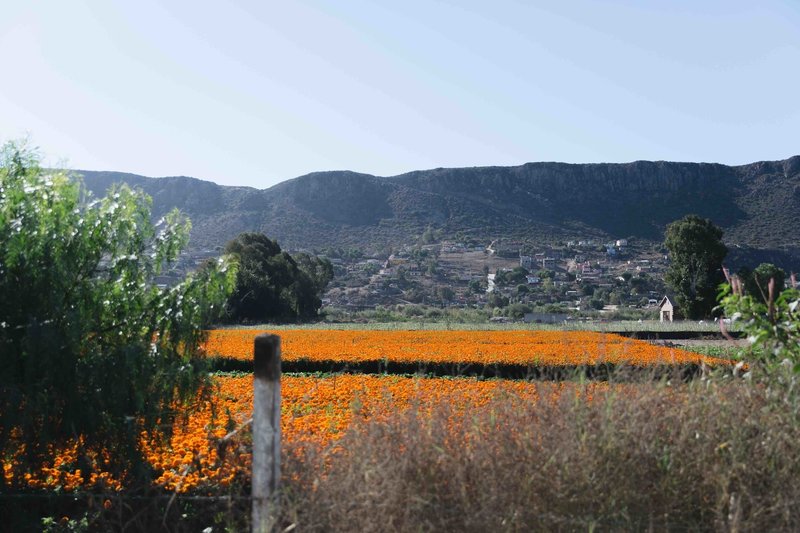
<point x="541" y="283"/>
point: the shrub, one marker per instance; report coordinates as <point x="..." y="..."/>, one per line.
<point x="709" y="456"/>
<point x="90" y="346"/>
<point x="771" y="320"/>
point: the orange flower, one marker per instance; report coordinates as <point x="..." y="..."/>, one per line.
<point x="315" y="411"/>
<point x="533" y="348"/>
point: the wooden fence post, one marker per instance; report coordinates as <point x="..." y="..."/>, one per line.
<point x="266" y="470"/>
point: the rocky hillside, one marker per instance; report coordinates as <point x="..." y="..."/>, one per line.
<point x="756" y="204"/>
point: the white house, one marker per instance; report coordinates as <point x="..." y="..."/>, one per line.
<point x="666" y="309"/>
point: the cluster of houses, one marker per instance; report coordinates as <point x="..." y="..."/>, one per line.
<point x="467" y="274"/>
<point x="557" y="272"/>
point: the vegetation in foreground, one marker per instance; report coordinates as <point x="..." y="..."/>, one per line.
<point x="90" y="347"/>
<point x="711" y="455"/>
<point x="718" y="456"/>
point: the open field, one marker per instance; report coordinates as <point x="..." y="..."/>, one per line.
<point x="633" y="326"/>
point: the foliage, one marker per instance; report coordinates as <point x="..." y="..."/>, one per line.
<point x="445" y="294"/>
<point x="517" y="310"/>
<point x="318" y="269"/>
<point x="90" y="346"/>
<point x="640" y="284"/>
<point x="511" y="277"/>
<point x="695" y="271"/>
<point x="397" y="314"/>
<point x="477" y="286"/>
<point x="271" y="285"/>
<point x="496" y="300"/>
<point x="756" y="281"/>
<point x="423" y="455"/>
<point x="771" y="322"/>
<point x="596" y="303"/>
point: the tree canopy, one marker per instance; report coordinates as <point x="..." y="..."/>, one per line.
<point x="273" y="286"/>
<point x="696" y="252"/>
<point x="90" y="347"/>
<point x="756" y="281"/>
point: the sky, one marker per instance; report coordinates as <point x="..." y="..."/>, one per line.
<point x="257" y="92"/>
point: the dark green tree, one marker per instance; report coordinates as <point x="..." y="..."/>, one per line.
<point x="695" y="271"/>
<point x="445" y="294"/>
<point x="515" y="276"/>
<point x="757" y="281"/>
<point x="640" y="283"/>
<point x="91" y="350"/>
<point x="517" y="310"/>
<point x="546" y="274"/>
<point x="271" y="286"/>
<point x="476" y="286"/>
<point x="596" y="303"/>
<point x="318" y="269"/>
<point x="496" y="300"/>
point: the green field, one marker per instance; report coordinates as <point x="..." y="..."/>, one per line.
<point x="709" y="327"/>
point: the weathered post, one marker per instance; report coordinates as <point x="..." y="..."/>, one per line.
<point x="266" y="432"/>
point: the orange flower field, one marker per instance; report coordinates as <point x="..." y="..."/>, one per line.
<point x="533" y="348"/>
<point x="315" y="410"/>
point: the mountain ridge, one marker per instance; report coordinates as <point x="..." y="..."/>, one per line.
<point x="754" y="203"/>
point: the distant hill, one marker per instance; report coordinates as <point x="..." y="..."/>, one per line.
<point x="756" y="204"/>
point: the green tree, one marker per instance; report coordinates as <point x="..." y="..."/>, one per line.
<point x="318" y="269"/>
<point x="271" y="285"/>
<point x="432" y="268"/>
<point x="496" y="300"/>
<point x="695" y="271"/>
<point x="596" y="303"/>
<point x="476" y="286"/>
<point x="517" y="310"/>
<point x="640" y="284"/>
<point x="510" y="277"/>
<point x="90" y="346"/>
<point x="428" y="236"/>
<point x="757" y="281"/>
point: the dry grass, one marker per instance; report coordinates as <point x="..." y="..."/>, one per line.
<point x="706" y="457"/>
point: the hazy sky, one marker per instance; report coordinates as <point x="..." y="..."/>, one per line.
<point x="253" y="93"/>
